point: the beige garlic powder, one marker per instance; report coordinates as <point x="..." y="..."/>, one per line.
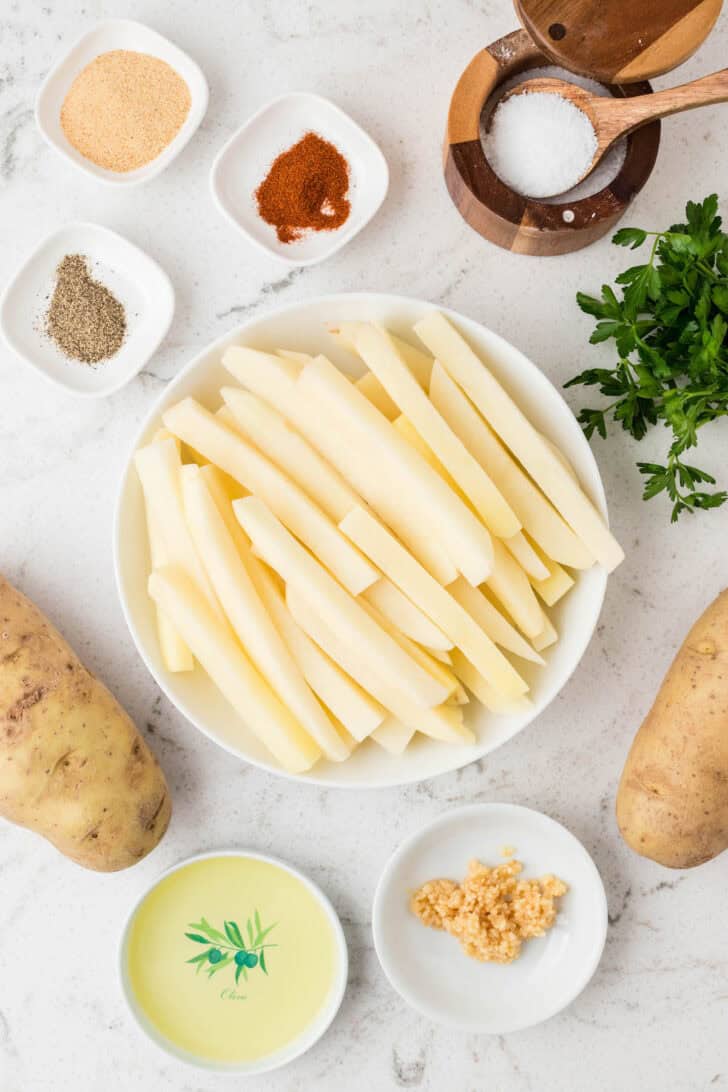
<point x="124" y="108"/>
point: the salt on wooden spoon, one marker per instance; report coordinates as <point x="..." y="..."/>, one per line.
<point x="609" y="119"/>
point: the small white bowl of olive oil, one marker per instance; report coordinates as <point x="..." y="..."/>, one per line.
<point x="233" y="961"/>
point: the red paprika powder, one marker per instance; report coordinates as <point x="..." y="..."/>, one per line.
<point x="305" y="189"/>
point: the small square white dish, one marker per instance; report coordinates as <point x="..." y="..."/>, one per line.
<point x="136" y="280"/>
<point x="428" y="968"/>
<point x="244" y="161"/>
<point x="109" y="35"/>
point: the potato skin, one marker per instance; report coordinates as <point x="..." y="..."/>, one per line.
<point x="72" y="765"/>
<point x="672" y="802"/>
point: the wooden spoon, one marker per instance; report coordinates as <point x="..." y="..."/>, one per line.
<point x="613" y="118"/>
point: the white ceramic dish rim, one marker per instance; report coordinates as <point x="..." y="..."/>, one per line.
<point x="476" y="810"/>
<point x="311" y="777"/>
<point x="167" y="155"/>
<point x="104" y="392"/>
<point x="311" y="1035"/>
<point x="341" y="238"/>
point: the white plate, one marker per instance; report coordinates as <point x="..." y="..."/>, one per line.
<point x="118" y="34"/>
<point x="428" y="967"/>
<point x="308" y="1037"/>
<point x="135" y="279"/>
<point x="243" y="163"/>
<point x="302" y="326"/>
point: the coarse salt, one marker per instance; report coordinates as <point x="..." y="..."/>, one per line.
<point x="539" y="143"/>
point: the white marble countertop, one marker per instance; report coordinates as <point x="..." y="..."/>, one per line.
<point x="654" y="1016"/>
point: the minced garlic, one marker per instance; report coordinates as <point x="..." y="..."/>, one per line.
<point x="491" y="912"/>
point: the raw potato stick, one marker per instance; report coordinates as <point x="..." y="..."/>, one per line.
<point x="159" y="468"/>
<point x="509" y="584"/>
<point x="442" y="722"/>
<point x="516" y="431"/>
<point x="523" y="552"/>
<point x="517" y="545"/>
<point x="248" y="616"/>
<point x="418" y="363"/>
<point x="536" y="513"/>
<point x="465" y="539"/>
<point x="175" y="654"/>
<point x="547" y="637"/>
<point x="393" y="736"/>
<point x="273" y="380"/>
<point x="339" y="610"/>
<point x="491" y="621"/>
<point x="375" y="393"/>
<point x="381" y="356"/>
<point x="214" y="646"/>
<point x="408" y="618"/>
<point x="440" y="672"/>
<point x="345" y="699"/>
<point x="200" y="429"/>
<point x="483" y="691"/>
<point x="270" y="433"/>
<point x="283" y="445"/>
<point x="436" y="601"/>
<point x="556" y="585"/>
<point x="348" y="702"/>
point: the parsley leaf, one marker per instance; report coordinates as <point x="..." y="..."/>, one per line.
<point x="670" y="329"/>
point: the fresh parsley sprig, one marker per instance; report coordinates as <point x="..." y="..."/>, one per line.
<point x="669" y="328"/>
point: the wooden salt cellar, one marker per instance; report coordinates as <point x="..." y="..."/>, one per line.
<point x="514" y="222"/>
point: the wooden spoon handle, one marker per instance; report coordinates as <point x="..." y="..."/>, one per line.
<point x="618" y="117"/>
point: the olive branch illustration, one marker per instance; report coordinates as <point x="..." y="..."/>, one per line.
<point x="230" y="947"/>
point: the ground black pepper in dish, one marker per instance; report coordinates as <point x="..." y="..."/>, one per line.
<point x="85" y="320"/>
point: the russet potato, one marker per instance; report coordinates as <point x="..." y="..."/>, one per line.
<point x="73" y="767"/>
<point x="672" y="803"/>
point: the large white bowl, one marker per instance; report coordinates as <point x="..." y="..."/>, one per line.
<point x="302" y="326"/>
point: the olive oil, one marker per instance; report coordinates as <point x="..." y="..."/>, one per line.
<point x="230" y="959"/>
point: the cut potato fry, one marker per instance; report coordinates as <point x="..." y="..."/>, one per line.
<point x="375" y="393"/>
<point x="249" y="617"/>
<point x="547" y="637"/>
<point x="517" y="432"/>
<point x="510" y="586"/>
<point x="352" y="707"/>
<point x="465" y="539"/>
<point x="271" y="433"/>
<point x="418" y="362"/>
<point x="159" y="468"/>
<point x="294" y="357"/>
<point x="214" y="646"/>
<point x="380" y="354"/>
<point x="443" y="722"/>
<point x="483" y="691"/>
<point x="283" y="445"/>
<point x="273" y="380"/>
<point x="408" y="618"/>
<point x="200" y="429"/>
<point x="517" y="545"/>
<point x="175" y="654"/>
<point x="523" y="552"/>
<point x="491" y="621"/>
<point x="402" y="569"/>
<point x="440" y="672"/>
<point x="346" y="617"/>
<point x="536" y="513"/>
<point x="557" y="583"/>
<point x="393" y="736"/>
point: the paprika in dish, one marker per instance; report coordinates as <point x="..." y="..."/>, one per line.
<point x="305" y="189"/>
